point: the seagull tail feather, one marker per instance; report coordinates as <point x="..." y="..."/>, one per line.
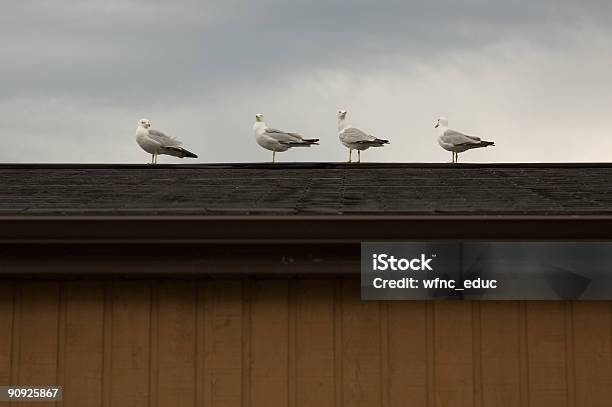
<point x="374" y="143"/>
<point x="303" y="142"/>
<point x="180" y="152"/>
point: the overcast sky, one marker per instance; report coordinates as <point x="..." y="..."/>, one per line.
<point x="532" y="76"/>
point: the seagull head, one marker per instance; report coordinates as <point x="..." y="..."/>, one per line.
<point x="259" y="117"/>
<point x="341" y="114"/>
<point x="144" y="123"/>
<point x="442" y="121"/>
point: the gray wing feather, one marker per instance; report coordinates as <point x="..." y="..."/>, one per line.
<point x="163" y="139"/>
<point x="353" y="135"/>
<point x="283" y="136"/>
<point x="457" y="138"/>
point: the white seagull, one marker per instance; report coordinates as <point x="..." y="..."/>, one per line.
<point x="455" y="141"/>
<point x="355" y="139"/>
<point x="278" y="140"/>
<point x="155" y="142"/>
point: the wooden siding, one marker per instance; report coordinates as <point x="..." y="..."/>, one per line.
<point x="297" y="343"/>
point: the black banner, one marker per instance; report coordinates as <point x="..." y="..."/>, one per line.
<point x="486" y="271"/>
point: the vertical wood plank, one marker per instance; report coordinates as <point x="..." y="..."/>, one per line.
<point x="477" y="353"/>
<point x="16" y="337"/>
<point x="176" y="343"/>
<point x="383" y="310"/>
<point x="107" y="345"/>
<point x="453" y="353"/>
<point x="570" y="368"/>
<point x="430" y="315"/>
<point x="592" y="353"/>
<point x="83" y="348"/>
<point x="315" y="343"/>
<point x="292" y="344"/>
<point x="224" y="363"/>
<point x="407" y="358"/>
<point x="7" y="297"/>
<point x="546" y="344"/>
<point x="153" y="344"/>
<point x="361" y="340"/>
<point x="523" y="352"/>
<point x="130" y="343"/>
<point x="269" y="345"/>
<point x="247" y="348"/>
<point x="202" y="390"/>
<point x="338" y="343"/>
<point x="500" y="343"/>
<point x="61" y="339"/>
<point x="38" y="346"/>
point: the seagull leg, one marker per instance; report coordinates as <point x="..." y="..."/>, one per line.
<point x="350" y="155"/>
<point x="152" y="158"/>
<point x="155" y="158"/>
<point x="456" y="158"/>
<point x="273" y="156"/>
<point x="358" y="156"/>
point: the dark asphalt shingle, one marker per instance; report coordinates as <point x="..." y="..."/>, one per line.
<point x="308" y="189"/>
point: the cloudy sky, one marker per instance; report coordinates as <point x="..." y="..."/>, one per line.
<point x="76" y="76"/>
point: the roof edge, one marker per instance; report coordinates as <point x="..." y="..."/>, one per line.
<point x="296" y="229"/>
<point x="304" y="165"/>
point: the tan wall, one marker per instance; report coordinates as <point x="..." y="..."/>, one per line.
<point x="297" y="343"/>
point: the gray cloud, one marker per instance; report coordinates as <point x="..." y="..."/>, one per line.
<point x="80" y="74"/>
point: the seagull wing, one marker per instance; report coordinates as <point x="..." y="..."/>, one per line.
<point x="283" y="136"/>
<point x="163" y="139"/>
<point x="457" y="138"/>
<point x="290" y="139"/>
<point x="353" y="135"/>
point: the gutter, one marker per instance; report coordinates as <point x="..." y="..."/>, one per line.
<point x="295" y="229"/>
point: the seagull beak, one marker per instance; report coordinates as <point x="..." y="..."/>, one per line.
<point x="436" y="125"/>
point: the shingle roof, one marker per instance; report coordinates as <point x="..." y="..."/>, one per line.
<point x="309" y="188"/>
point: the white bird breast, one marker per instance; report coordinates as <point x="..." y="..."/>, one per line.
<point x="145" y="142"/>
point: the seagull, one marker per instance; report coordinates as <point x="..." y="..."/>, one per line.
<point x="278" y="140"/>
<point x="457" y="142"/>
<point x="155" y="142"/>
<point x="355" y="139"/>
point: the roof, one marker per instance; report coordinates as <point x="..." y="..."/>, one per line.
<point x="309" y="204"/>
<point x="307" y="189"/>
<point x="301" y="218"/>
